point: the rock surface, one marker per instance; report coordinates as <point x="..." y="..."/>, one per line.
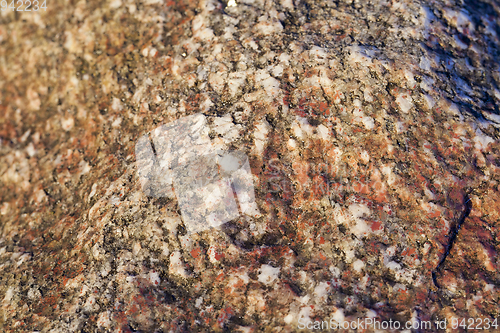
<point x="366" y="124"/>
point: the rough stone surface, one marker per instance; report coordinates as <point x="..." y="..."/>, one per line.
<point x="365" y="123"/>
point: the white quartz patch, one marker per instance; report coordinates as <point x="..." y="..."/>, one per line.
<point x="429" y="101"/>
<point x="494" y="118"/>
<point x="427" y="17"/>
<point x="270" y="85"/>
<point x="459" y="43"/>
<point x="9" y="294"/>
<point x="268" y="274"/>
<point x="321" y="291"/>
<point x="359" y="212"/>
<point x="217" y="82"/>
<point x="338" y="316"/>
<point x="358" y="265"/>
<point x="411" y="83"/>
<point x="103" y="320"/>
<point x="425" y="63"/>
<point x="67" y="123"/>
<point x="287" y="4"/>
<point x="323" y="132"/>
<point x="482" y="140"/>
<point x="401" y="273"/>
<point x="226" y="128"/>
<point x="405" y="102"/>
<point x="154" y="278"/>
<point x="200" y="30"/>
<point x="260" y="135"/>
<point x="360" y="117"/>
<point x="235" y="81"/>
<point x="361" y="55"/>
<point x="176" y="266"/>
<point x="319" y="54"/>
<point x="460" y="19"/>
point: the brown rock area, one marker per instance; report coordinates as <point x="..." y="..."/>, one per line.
<point x="366" y="124"/>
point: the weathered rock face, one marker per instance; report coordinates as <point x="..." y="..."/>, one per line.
<point x="366" y="125"/>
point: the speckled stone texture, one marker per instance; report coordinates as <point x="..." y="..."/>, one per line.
<point x="366" y="123"/>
